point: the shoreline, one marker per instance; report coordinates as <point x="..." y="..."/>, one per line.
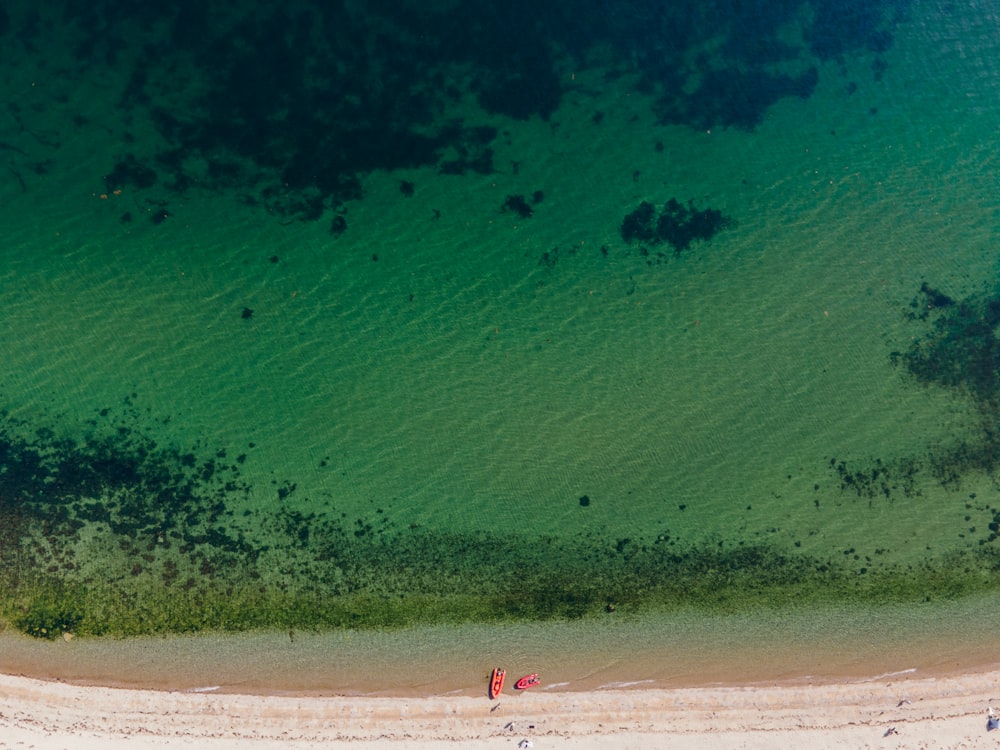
<point x="731" y="682"/>
<point x="924" y="712"/>
<point x="664" y="652"/>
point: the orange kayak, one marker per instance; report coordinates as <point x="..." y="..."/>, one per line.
<point x="496" y="682"/>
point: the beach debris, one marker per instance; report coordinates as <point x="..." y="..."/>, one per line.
<point x="992" y="720"/>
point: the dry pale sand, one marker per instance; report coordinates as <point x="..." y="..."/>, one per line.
<point x="942" y="712"/>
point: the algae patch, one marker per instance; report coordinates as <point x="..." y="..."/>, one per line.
<point x="110" y="533"/>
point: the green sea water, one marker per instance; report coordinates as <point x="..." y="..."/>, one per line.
<point x="231" y="419"/>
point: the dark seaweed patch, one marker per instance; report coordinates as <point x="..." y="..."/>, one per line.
<point x="50" y="618"/>
<point x="530" y="86"/>
<point x="290" y="107"/>
<point x="469" y="152"/>
<point x="681" y="225"/>
<point x="878" y="479"/>
<point x="117" y="480"/>
<point x="640" y="224"/>
<point x="518" y="205"/>
<point x="852" y="24"/>
<point x="338" y="226"/>
<point x="677" y="225"/>
<point x="960" y="350"/>
<point x="933" y="298"/>
<point x="128" y="171"/>
<point x="733" y="98"/>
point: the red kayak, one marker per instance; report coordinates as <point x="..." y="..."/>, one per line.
<point x="496" y="682"/>
<point x="529" y="680"/>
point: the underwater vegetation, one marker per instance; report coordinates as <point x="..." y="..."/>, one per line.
<point x="518" y="205"/>
<point x="289" y="107"/>
<point x="956" y="348"/>
<point x="111" y="533"/>
<point x="960" y="350"/>
<point x="677" y="224"/>
<point x="733" y="98"/>
<point x="878" y="479"/>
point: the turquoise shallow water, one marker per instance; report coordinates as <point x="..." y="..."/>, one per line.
<point x="681" y="649"/>
<point x="386" y="412"/>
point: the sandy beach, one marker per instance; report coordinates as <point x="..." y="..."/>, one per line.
<point x="891" y="712"/>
